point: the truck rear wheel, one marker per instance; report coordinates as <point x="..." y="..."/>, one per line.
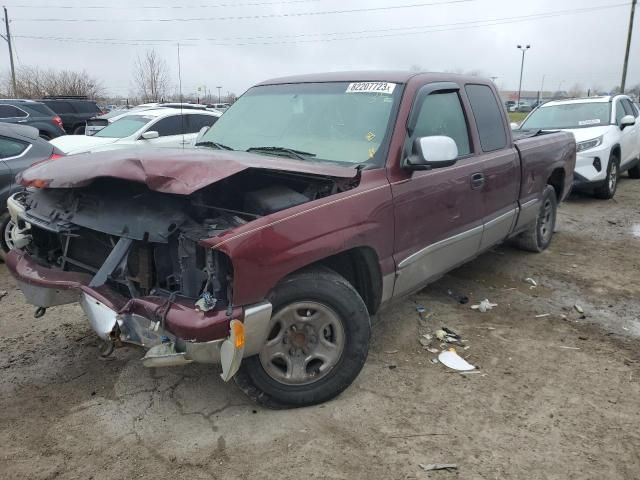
<point x="317" y="345"/>
<point x="538" y="237"/>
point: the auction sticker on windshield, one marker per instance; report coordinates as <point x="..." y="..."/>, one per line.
<point x="371" y="87"/>
<point x="595" y="121"/>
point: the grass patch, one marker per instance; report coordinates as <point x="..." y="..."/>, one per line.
<point x="517" y="116"/>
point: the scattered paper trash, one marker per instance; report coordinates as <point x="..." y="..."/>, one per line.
<point x="578" y="308"/>
<point x="447" y="335"/>
<point x="432" y="350"/>
<point x="438" y="466"/>
<point x="484" y="306"/>
<point x="3" y="293"/>
<point x="434" y="360"/>
<point x="542" y="315"/>
<point x="451" y="359"/>
<point x="531" y="281"/>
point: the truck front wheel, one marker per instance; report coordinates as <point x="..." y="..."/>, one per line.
<point x="317" y="345"/>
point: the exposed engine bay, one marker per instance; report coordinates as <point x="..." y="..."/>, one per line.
<point x="141" y="242"/>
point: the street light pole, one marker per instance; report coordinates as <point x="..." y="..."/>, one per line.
<point x="524" y="49"/>
<point x="626" y="53"/>
<point x="7" y="38"/>
<point x="219" y="88"/>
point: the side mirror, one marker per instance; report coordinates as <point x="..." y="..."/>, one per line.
<point x="150" y="135"/>
<point x="627" y="121"/>
<point x="432" y="152"/>
<point x="201" y="133"/>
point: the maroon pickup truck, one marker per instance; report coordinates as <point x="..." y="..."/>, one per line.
<point x="310" y="204"/>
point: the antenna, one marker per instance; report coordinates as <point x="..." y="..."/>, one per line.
<point x="180" y="88"/>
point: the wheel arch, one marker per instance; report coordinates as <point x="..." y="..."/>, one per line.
<point x="360" y="266"/>
<point x="556" y="180"/>
<point x="616" y="150"/>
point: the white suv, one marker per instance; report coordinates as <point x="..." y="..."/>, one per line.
<point x="607" y="131"/>
<point x="160" y="127"/>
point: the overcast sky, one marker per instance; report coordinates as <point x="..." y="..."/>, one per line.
<point x="222" y="50"/>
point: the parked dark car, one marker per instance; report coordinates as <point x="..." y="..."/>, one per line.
<point x="34" y="114"/>
<point x="20" y="147"/>
<point x="74" y="111"/>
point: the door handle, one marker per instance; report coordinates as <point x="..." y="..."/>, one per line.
<point x="477" y="181"/>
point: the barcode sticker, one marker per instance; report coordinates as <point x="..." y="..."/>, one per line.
<point x="371" y="87"/>
<point x="595" y="121"/>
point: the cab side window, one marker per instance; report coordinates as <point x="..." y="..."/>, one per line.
<point x="442" y="114"/>
<point x="488" y="116"/>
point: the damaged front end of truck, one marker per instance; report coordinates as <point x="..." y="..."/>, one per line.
<point x="129" y="237"/>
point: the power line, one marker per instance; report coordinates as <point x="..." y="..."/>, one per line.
<point x="338" y="36"/>
<point x="245" y="17"/>
<point x="164" y="7"/>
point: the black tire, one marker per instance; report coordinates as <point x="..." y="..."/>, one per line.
<point x="634" y="172"/>
<point x="538" y="237"/>
<point x="330" y="290"/>
<point x="610" y="185"/>
<point x="5" y="220"/>
<point x="79" y="130"/>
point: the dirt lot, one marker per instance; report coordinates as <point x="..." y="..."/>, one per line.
<point x="556" y="397"/>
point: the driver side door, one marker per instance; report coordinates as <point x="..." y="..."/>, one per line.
<point x="438" y="212"/>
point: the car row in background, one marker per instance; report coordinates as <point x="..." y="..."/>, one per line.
<point x="74" y="111"/>
<point x="156" y="127"/>
<point x="32" y="113"/>
<point x="607" y="132"/>
<point x="95" y="124"/>
<point x="20" y="147"/>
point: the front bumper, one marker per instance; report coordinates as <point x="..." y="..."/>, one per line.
<point x="586" y="172"/>
<point x="174" y="331"/>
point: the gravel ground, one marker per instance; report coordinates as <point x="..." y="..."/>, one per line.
<point x="556" y="396"/>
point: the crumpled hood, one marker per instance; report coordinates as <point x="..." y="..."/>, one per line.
<point x="70" y="144"/>
<point x="166" y="170"/>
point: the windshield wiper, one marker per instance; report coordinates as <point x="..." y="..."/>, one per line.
<point x="300" y="155"/>
<point x="217" y="145"/>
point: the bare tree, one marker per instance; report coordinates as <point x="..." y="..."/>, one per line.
<point x="577" y="90"/>
<point x="151" y="77"/>
<point x="34" y="82"/>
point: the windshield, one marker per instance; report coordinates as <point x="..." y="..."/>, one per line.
<point x="338" y="122"/>
<point x="569" y="115"/>
<point x="124" y="127"/>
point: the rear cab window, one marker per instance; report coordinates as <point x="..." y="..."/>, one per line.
<point x="488" y="116"/>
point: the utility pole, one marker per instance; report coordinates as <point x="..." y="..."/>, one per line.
<point x="524" y="50"/>
<point x="219" y="88"/>
<point x="7" y="38"/>
<point x="626" y="53"/>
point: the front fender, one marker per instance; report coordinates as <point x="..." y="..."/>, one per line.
<point x="265" y="251"/>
